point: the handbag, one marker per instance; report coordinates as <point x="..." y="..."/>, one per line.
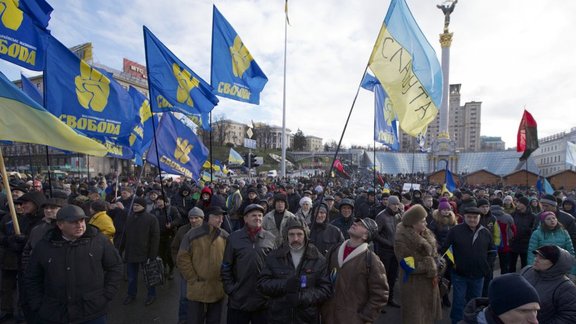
<point x="153" y="272"/>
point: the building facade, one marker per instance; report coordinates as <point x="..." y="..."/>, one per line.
<point x="229" y="132"/>
<point x="492" y="143"/>
<point x="551" y="155"/>
<point x="314" y="144"/>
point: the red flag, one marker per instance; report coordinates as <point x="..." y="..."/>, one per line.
<point x="340" y="168"/>
<point x="527" y="139"/>
<point x="379" y="178"/>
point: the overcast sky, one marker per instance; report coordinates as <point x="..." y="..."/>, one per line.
<point x="507" y="54"/>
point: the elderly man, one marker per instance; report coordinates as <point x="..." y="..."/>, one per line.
<point x="358" y="277"/>
<point x="243" y="261"/>
<point x="199" y="259"/>
<point x="64" y="289"/>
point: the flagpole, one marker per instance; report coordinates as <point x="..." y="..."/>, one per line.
<point x="48" y="167"/>
<point x="283" y="160"/>
<point x="15" y="223"/>
<point x="210" y="144"/>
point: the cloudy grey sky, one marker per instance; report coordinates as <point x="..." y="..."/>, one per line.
<point x="507" y="54"/>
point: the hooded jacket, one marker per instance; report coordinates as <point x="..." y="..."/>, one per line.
<point x="325" y="235"/>
<point x="541" y="237"/>
<point x="557" y="293"/>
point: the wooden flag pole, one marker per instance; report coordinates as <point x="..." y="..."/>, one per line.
<point x="9" y="195"/>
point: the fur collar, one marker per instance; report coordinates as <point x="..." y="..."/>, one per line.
<point x="357" y="251"/>
<point x="450" y="220"/>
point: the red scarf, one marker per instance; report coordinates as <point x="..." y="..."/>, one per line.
<point x="253" y="232"/>
<point x="348" y="250"/>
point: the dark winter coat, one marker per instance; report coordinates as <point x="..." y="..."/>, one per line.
<point x="387" y="221"/>
<point x="525" y="223"/>
<point x="304" y="306"/>
<point x="478" y="311"/>
<point x="557" y="293"/>
<point x="72" y="282"/>
<point x="471" y="250"/>
<point x="441" y="225"/>
<point x="343" y="224"/>
<point x="324" y="236"/>
<point x="243" y="261"/>
<point x="142" y="238"/>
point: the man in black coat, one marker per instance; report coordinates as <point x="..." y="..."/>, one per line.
<point x="244" y="257"/>
<point x="73" y="272"/>
<point x="294" y="278"/>
<point x="140" y="245"/>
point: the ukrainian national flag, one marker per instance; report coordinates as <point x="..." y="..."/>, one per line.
<point x="408" y="69"/>
<point x="235" y="74"/>
<point x="31" y="90"/>
<point x="450" y="255"/>
<point x="407" y="264"/>
<point x="173" y="84"/>
<point x="235" y="157"/>
<point x="24" y="120"/>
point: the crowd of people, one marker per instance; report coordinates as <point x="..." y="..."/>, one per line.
<point x="287" y="251"/>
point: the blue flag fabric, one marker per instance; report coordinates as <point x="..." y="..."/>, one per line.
<point x="116" y="147"/>
<point x="143" y="134"/>
<point x="173" y="84"/>
<point x="385" y="121"/>
<point x="543" y="186"/>
<point x="449" y="180"/>
<point x="179" y="149"/>
<point x="31" y="90"/>
<point x="234" y="72"/>
<point x="407" y="66"/>
<point x="23" y="41"/>
<point x="38" y="10"/>
<point x="85" y="98"/>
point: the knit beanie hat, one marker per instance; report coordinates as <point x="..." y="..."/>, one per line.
<point x="195" y="212"/>
<point x="510" y="291"/>
<point x="508" y="199"/>
<point x="140" y="201"/>
<point x="304" y="200"/>
<point x="524" y="201"/>
<point x="549" y="200"/>
<point x="545" y="214"/>
<point x="484" y="202"/>
<point x="413" y="215"/>
<point x="498" y="202"/>
<point x="444" y="204"/>
<point x="393" y="200"/>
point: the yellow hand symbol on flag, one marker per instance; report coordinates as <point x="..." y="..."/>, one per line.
<point x="182" y="151"/>
<point x="241" y="58"/>
<point x="92" y="88"/>
<point x="132" y="139"/>
<point x="388" y="112"/>
<point x="145" y="111"/>
<point x="10" y="15"/>
<point x="186" y="82"/>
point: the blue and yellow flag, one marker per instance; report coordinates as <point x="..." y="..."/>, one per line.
<point x="385" y="121"/>
<point x="23" y="35"/>
<point x="449" y="180"/>
<point x="31" y="90"/>
<point x="543" y="186"/>
<point x="143" y="133"/>
<point x="172" y="84"/>
<point x="116" y="147"/>
<point x="235" y="157"/>
<point x="450" y="254"/>
<point x="179" y="149"/>
<point x="24" y="120"/>
<point x="235" y="74"/>
<point x="408" y="69"/>
<point x="85" y="98"/>
<point x="407" y="264"/>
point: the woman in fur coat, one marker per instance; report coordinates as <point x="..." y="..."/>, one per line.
<point x="419" y="288"/>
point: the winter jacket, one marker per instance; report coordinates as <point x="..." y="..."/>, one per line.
<point x="104" y="223"/>
<point x="303" y="307"/>
<point x="440" y="226"/>
<point x="72" y="282"/>
<point x="184" y="202"/>
<point x="478" y="311"/>
<point x="471" y="249"/>
<point x="420" y="296"/>
<point x="167" y="215"/>
<point x="506" y="226"/>
<point x="541" y="237"/>
<point x="569" y="223"/>
<point x="175" y="245"/>
<point x="359" y="284"/>
<point x="525" y="223"/>
<point x="387" y="222"/>
<point x="241" y="266"/>
<point x="233" y="204"/>
<point x="572" y="211"/>
<point x="142" y="238"/>
<point x="343" y="224"/>
<point x="557" y="293"/>
<point x="199" y="260"/>
<point x="293" y="202"/>
<point x="325" y="236"/>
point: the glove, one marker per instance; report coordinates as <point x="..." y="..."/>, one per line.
<point x="292" y="284"/>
